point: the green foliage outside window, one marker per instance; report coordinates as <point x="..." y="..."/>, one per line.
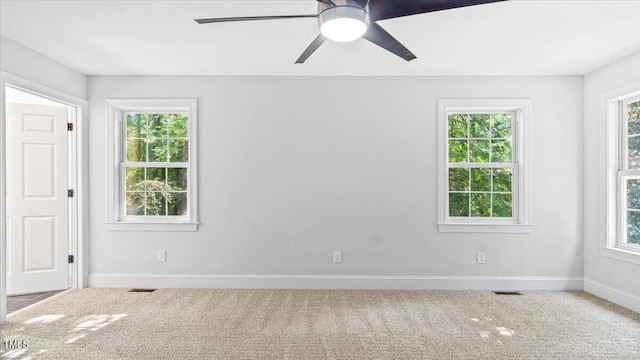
<point x="157" y="138"/>
<point x="480" y="139"/>
<point x="153" y="189"/>
<point x="633" y="184"/>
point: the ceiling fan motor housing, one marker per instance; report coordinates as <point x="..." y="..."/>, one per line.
<point x="344" y="10"/>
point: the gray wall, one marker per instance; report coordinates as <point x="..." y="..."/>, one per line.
<point x="19" y="60"/>
<point x="614" y="279"/>
<point x="294" y="168"/>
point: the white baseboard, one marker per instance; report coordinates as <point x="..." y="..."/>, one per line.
<point x="502" y="283"/>
<point x="616" y="296"/>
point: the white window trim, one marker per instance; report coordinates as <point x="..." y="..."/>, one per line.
<point x="114" y="222"/>
<point x="610" y="176"/>
<point x="521" y="222"/>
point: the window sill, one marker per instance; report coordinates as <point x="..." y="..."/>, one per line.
<point x="486" y="228"/>
<point x="622" y="255"/>
<point x="123" y="226"/>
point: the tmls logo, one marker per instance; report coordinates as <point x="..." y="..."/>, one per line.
<point x="15" y="344"/>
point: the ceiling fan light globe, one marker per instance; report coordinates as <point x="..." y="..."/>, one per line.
<point x="343" y="23"/>
<point x="343" y="29"/>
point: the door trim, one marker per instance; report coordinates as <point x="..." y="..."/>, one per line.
<point x="78" y="215"/>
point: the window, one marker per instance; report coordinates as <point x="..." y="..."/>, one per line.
<point x="153" y="165"/>
<point x="482" y="178"/>
<point x="627" y="112"/>
<point x="620" y="197"/>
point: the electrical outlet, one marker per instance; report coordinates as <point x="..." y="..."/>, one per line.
<point x="480" y="257"/>
<point x="162" y="255"/>
<point x="337" y="257"/>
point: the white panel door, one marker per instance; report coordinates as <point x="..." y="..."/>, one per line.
<point x="37" y="199"/>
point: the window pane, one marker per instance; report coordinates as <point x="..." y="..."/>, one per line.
<point x="502" y="205"/>
<point x="178" y="150"/>
<point x="634" y="153"/>
<point x="633" y="118"/>
<point x="480" y="205"/>
<point x="177" y="178"/>
<point x="458" y="204"/>
<point x="158" y="151"/>
<point x="479" y="152"/>
<point x="500" y="151"/>
<point x="633" y="193"/>
<point x="156" y="204"/>
<point x="633" y="227"/>
<point x="156" y="179"/>
<point x="479" y="125"/>
<point x="135" y="179"/>
<point x="177" y="203"/>
<point x="457" y="151"/>
<point x="457" y="125"/>
<point x="501" y="126"/>
<point x="135" y="203"/>
<point x="488" y="192"/>
<point x="502" y="179"/>
<point x="178" y="125"/>
<point x="136" y="125"/>
<point x="458" y="179"/>
<point x="136" y="150"/>
<point x="150" y="189"/>
<point x="480" y="180"/>
<point x="158" y="125"/>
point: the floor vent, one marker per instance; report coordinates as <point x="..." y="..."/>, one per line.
<point x="507" y="293"/>
<point x="142" y="290"/>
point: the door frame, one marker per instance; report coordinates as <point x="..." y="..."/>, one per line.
<point x="78" y="207"/>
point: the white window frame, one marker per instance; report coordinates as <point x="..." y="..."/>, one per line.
<point x="117" y="221"/>
<point x="520" y="222"/>
<point x="614" y="120"/>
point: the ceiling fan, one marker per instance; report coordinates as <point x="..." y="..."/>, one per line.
<point x="348" y="20"/>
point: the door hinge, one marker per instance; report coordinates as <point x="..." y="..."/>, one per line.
<point x="71" y="259"/>
<point x="70" y="126"/>
<point x="70" y="193"/>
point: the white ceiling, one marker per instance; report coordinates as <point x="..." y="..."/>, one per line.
<point x="520" y="37"/>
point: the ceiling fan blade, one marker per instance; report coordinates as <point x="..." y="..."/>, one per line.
<point x="250" y="18"/>
<point x="362" y="3"/>
<point x="385" y="9"/>
<point x="379" y="36"/>
<point x="315" y="44"/>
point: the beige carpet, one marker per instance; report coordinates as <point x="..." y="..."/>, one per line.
<point x="322" y="324"/>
